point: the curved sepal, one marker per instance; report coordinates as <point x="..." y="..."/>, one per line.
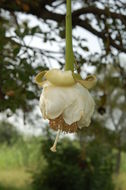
<point x="64" y="78"/>
<point x="40" y="78"/>
<point x="89" y="82"/>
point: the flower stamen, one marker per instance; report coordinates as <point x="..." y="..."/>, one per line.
<point x="59" y="123"/>
<point x="53" y="148"/>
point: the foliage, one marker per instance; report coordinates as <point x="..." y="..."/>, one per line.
<point x="110" y="100"/>
<point x="8" y="133"/>
<point x="100" y="156"/>
<point x="71" y="169"/>
<point x="16" y="70"/>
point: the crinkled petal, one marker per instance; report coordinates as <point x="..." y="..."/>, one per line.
<point x="88" y="112"/>
<point x="82" y="107"/>
<point x="54" y="101"/>
<point x="73" y="102"/>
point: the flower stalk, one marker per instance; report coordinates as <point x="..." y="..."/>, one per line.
<point x="69" y="47"/>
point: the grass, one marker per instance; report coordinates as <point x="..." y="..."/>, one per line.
<point x="17" y="162"/>
<point x="120" y="180"/>
<point x="17" y="179"/>
<point x="123" y="165"/>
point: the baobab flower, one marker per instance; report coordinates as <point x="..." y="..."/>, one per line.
<point x="65" y="100"/>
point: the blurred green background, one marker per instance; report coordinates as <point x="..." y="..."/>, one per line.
<point x="32" y="39"/>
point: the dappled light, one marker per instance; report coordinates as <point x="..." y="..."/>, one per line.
<point x="72" y="59"/>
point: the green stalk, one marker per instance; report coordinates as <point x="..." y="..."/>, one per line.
<point x="69" y="47"/>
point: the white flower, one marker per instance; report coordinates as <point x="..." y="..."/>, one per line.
<point x="65" y="100"/>
<point x="74" y="103"/>
<point x="66" y="94"/>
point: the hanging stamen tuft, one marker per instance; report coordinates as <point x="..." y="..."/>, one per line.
<point x="59" y="123"/>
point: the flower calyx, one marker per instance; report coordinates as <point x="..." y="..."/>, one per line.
<point x="64" y="78"/>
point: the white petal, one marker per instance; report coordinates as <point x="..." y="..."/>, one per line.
<point x="54" y="101"/>
<point x="89" y="109"/>
<point x="82" y="107"/>
<point x="74" y="103"/>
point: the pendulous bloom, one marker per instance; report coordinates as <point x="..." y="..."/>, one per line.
<point x="65" y="100"/>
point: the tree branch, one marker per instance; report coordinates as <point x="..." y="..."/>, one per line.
<point x="39" y="9"/>
<point x="97" y="11"/>
<point x="101" y="34"/>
